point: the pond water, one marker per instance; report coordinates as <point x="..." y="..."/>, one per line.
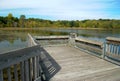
<point x="15" y="39"/>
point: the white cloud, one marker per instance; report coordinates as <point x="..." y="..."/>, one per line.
<point x="59" y="9"/>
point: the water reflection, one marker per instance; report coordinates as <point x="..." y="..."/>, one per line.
<point x="92" y="34"/>
<point x="12" y="35"/>
<point x="17" y="38"/>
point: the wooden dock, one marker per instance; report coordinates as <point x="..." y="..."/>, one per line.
<point x="83" y="59"/>
<point x="77" y="65"/>
<point x="63" y="58"/>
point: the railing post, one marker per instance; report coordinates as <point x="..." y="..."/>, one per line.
<point x="72" y="39"/>
<point x="1" y="75"/>
<point x="34" y="68"/>
<point x="9" y="74"/>
<point x="27" y="71"/>
<point x="104" y="50"/>
<point x="22" y="71"/>
<point x="15" y="72"/>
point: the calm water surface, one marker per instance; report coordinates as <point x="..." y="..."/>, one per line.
<point x="15" y="39"/>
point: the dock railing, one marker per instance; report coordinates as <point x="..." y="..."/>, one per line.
<point x="108" y="50"/>
<point x="31" y="41"/>
<point x="32" y="63"/>
<point x="23" y="64"/>
<point x="112" y="51"/>
<point x="94" y="47"/>
<point x="52" y="40"/>
<point x="20" y="65"/>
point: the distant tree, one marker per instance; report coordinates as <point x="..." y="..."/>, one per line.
<point x="72" y="23"/>
<point x="2" y="21"/>
<point x="10" y="16"/>
<point x="22" y="21"/>
<point x="16" y="20"/>
<point x="10" y="20"/>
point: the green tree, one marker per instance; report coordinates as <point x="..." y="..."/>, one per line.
<point x="10" y="20"/>
<point x="22" y="21"/>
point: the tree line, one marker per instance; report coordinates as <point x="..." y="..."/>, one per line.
<point x="23" y="22"/>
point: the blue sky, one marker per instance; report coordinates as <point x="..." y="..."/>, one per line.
<point x="62" y="9"/>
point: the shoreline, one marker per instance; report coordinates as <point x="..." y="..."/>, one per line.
<point x="43" y="28"/>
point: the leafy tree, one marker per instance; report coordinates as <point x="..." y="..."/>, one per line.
<point x="22" y="21"/>
<point x="10" y="20"/>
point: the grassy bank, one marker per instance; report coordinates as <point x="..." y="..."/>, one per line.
<point x="47" y="28"/>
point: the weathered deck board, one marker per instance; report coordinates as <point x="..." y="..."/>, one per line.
<point x="80" y="66"/>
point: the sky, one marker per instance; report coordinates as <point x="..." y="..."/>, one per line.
<point x="62" y="9"/>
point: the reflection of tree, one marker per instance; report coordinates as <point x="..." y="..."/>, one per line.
<point x="11" y="41"/>
<point x="12" y="35"/>
<point x="23" y="39"/>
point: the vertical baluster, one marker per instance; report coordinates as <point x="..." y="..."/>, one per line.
<point x="1" y="75"/>
<point x="26" y="71"/>
<point x="111" y="48"/>
<point x="106" y="48"/>
<point x="15" y="72"/>
<point x="119" y="50"/>
<point x="40" y="68"/>
<point x="30" y="69"/>
<point x="34" y="68"/>
<point x="113" y="51"/>
<point x="116" y="49"/>
<point x="37" y="62"/>
<point x="9" y="73"/>
<point x="22" y="71"/>
<point x="32" y="75"/>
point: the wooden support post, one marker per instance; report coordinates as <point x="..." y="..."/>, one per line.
<point x="104" y="50"/>
<point x="22" y="71"/>
<point x="37" y="62"/>
<point x="26" y="71"/>
<point x="15" y="72"/>
<point x="30" y="69"/>
<point x="1" y="75"/>
<point x="9" y="73"/>
<point x="34" y="68"/>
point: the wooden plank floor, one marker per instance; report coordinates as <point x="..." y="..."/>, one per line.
<point x="77" y="65"/>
